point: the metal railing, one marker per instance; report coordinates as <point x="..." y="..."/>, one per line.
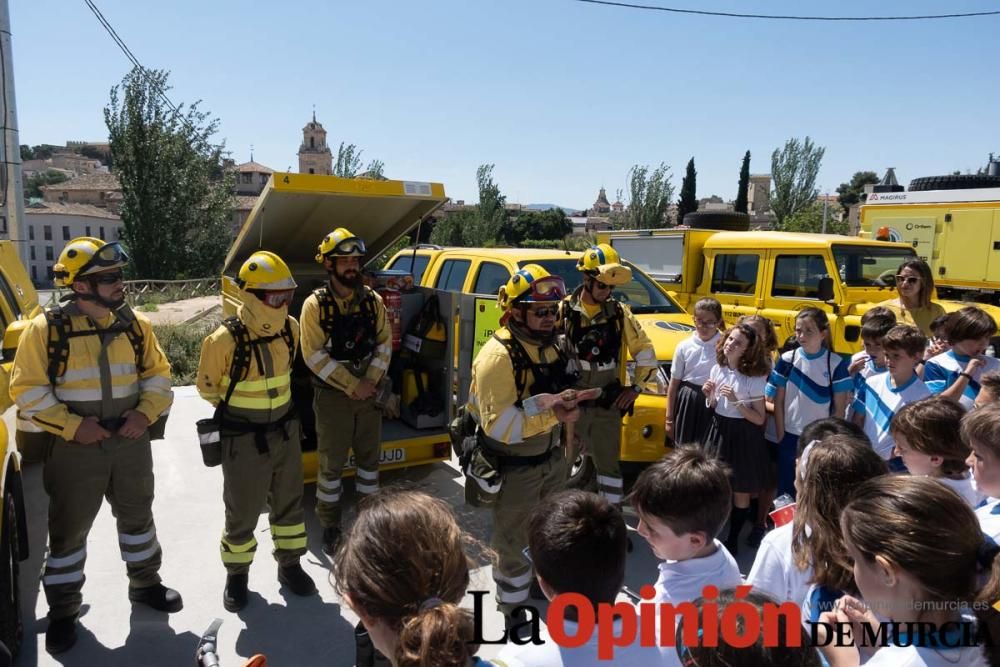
<point x="139" y="292"/>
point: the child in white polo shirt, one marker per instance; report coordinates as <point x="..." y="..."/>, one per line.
<point x="955" y="374"/>
<point x="927" y="440"/>
<point x="875" y="324"/>
<point x="881" y="396"/>
<point x="683" y="501"/>
<point x="981" y="433"/>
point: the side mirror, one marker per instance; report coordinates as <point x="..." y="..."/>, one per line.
<point x="825" y="289"/>
<point x="11" y="337"/>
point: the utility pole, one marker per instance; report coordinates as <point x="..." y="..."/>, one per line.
<point x="11" y="186"/>
<point x="826" y="205"/>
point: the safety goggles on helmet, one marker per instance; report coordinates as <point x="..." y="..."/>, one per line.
<point x="108" y="256"/>
<point x="275" y="298"/>
<point x="348" y="247"/>
<point x="549" y="288"/>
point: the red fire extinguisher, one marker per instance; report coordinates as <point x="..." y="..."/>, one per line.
<point x="393" y="300"/>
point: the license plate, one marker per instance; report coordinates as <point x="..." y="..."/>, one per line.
<point x="394" y="455"/>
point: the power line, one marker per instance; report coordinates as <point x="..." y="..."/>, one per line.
<point x="131" y="56"/>
<point x="782" y="17"/>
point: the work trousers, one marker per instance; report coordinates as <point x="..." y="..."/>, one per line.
<point x="523" y="488"/>
<point x="343" y="424"/>
<point x="77" y="479"/>
<point x="600" y="428"/>
<point x="251" y="478"/>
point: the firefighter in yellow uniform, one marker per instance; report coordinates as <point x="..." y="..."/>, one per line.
<point x="523" y="358"/>
<point x="347" y="344"/>
<point x="92" y="375"/>
<point x="245" y="371"/>
<point x="599" y="330"/>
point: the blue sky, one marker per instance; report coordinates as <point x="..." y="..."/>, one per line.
<point x="562" y="96"/>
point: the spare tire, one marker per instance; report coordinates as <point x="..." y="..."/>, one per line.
<point x="954" y="182"/>
<point x="723" y="221"/>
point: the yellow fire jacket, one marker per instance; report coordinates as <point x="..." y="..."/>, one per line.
<point x="337" y="372"/>
<point x="265" y="394"/>
<point x="634" y="338"/>
<point x="493" y="393"/>
<point x="78" y="393"/>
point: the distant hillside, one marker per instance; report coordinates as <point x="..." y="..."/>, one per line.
<point x="568" y="210"/>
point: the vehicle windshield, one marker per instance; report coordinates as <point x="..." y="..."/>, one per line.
<point x="869" y="265"/>
<point x="641" y="294"/>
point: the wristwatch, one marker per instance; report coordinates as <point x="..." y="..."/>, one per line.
<point x="965" y="375"/>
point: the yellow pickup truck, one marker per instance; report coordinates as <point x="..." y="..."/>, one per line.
<point x="18" y="304"/>
<point x="478" y="273"/>
<point x="775" y="274"/>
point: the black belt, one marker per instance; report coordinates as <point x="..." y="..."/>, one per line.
<point x="506" y="461"/>
<point x="260" y="431"/>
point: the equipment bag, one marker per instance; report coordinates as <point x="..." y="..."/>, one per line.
<point x="426" y="338"/>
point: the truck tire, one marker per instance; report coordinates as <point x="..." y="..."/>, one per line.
<point x="954" y="182"/>
<point x="11" y="623"/>
<point x="723" y="221"/>
<point x="582" y="474"/>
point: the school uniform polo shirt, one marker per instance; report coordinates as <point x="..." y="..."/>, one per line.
<point x="810" y="382"/>
<point x="879" y="401"/>
<point x="943" y="370"/>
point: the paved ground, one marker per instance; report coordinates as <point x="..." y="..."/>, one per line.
<point x="291" y="631"/>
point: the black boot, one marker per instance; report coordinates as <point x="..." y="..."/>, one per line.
<point x="157" y="596"/>
<point x="331" y="538"/>
<point x="61" y="634"/>
<point x="234" y="597"/>
<point x="295" y="578"/>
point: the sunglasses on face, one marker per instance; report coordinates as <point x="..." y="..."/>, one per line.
<point x="109" y="278"/>
<point x="540" y="313"/>
<point x="600" y="285"/>
<point x="906" y="280"/>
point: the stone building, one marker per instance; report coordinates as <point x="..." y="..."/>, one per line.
<point x="314" y="154"/>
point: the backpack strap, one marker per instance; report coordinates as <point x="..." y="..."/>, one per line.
<point x="521" y="361"/>
<point x="328" y="310"/>
<point x="241" y="353"/>
<point x="61" y="330"/>
<point x="58" y="348"/>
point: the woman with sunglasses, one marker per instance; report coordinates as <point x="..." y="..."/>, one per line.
<point x="915" y="285"/>
<point x="523" y="358"/>
<point x="245" y="372"/>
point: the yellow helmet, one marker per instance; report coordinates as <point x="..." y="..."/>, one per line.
<point x="85" y="255"/>
<point x="603" y="263"/>
<point x="341" y="242"/>
<point x="265" y="270"/>
<point x="530" y="284"/>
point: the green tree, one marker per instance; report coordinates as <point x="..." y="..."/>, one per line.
<point x="27" y="153"/>
<point x="348" y="164"/>
<point x="650" y="192"/>
<point x="488" y="229"/>
<point x="96" y="154"/>
<point x="793" y="175"/>
<point x="450" y="230"/>
<point x="853" y="192"/>
<point x="33" y="185"/>
<point x="688" y="202"/>
<point x="743" y="189"/>
<point x="550" y="225"/>
<point x="176" y="197"/>
<point x="810" y="219"/>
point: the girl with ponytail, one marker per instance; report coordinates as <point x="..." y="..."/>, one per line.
<point x="403" y="569"/>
